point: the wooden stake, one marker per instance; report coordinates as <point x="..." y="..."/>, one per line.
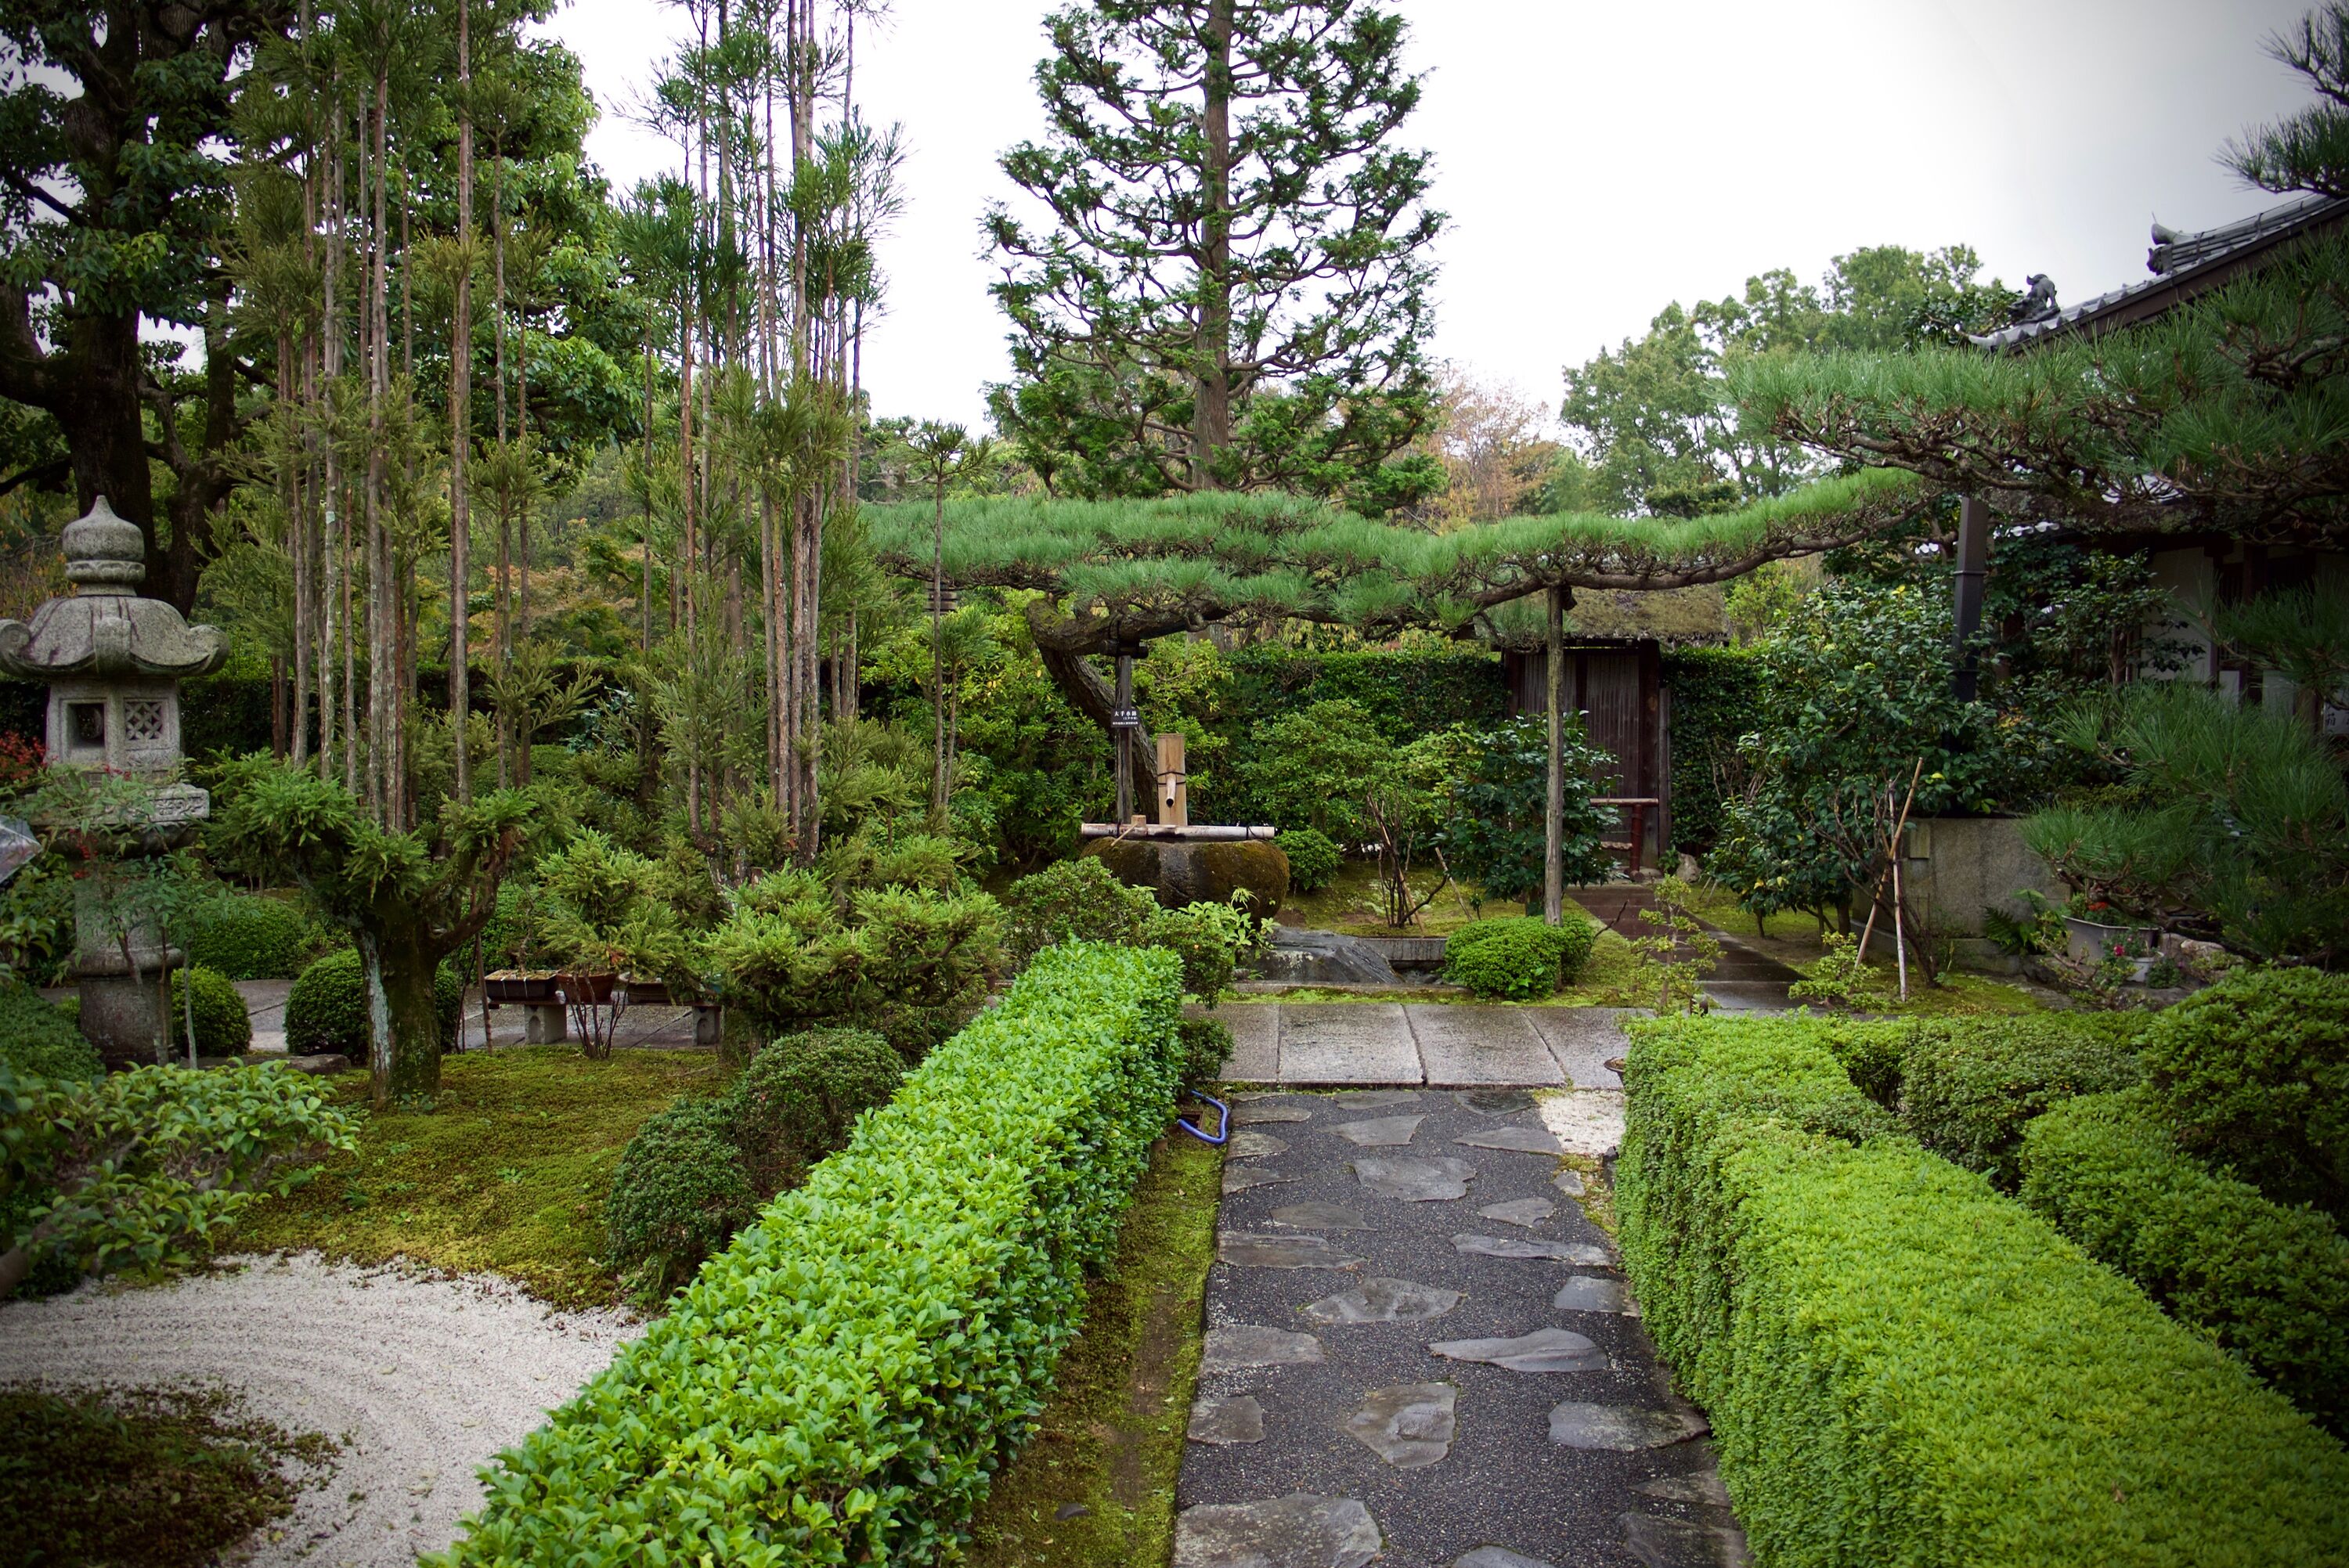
<point x="1876" y="897"/>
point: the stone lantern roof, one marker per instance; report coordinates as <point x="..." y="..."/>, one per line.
<point x="105" y="629"/>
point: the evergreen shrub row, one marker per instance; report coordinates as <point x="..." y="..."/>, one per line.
<point x="1903" y="1367"/>
<point x="2270" y="1283"/>
<point x="39" y="1041"/>
<point x="842" y="1383"/>
<point x="1969" y="1087"/>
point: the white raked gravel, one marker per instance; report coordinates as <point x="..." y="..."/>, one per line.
<point x="424" y="1379"/>
<point x="1588" y="1121"/>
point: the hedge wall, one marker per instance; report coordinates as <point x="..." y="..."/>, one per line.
<point x="1716" y="698"/>
<point x="1903" y="1367"/>
<point x="840" y="1385"/>
<point x="1409" y="694"/>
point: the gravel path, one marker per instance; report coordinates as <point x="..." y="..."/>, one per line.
<point x="425" y="1380"/>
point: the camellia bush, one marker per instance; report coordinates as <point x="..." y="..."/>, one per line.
<point x="841" y="1384"/>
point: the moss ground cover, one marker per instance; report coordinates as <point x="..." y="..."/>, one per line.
<point x="1903" y="1367"/>
<point x="1350" y="904"/>
<point x="509" y="1174"/>
<point x="1110" y="1439"/>
<point x="154" y="1477"/>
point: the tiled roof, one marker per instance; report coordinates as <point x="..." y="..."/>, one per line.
<point x="2183" y="265"/>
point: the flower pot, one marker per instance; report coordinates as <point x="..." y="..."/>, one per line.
<point x="646" y="992"/>
<point x="2093" y="942"/>
<point x="586" y="990"/>
<point x="525" y="988"/>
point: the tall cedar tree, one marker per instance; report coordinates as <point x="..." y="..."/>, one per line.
<point x="114" y="203"/>
<point x="1233" y="293"/>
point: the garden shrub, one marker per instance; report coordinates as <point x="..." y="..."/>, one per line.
<point x="1902" y="1367"/>
<point x="679" y="1193"/>
<point x="1496" y="800"/>
<point x="224" y="1028"/>
<point x="39" y="1041"/>
<point x="2253" y="1075"/>
<point x="1970" y="1086"/>
<point x="1518" y="956"/>
<point x="1205" y="1046"/>
<point x="800" y="1094"/>
<point x="1208" y="938"/>
<point x="326" y="1009"/>
<point x="1311" y="768"/>
<point x="1871" y="1051"/>
<point x="1313" y="858"/>
<point x="2271" y="1284"/>
<point x="841" y="1384"/>
<point x="250" y="936"/>
<point x="1073" y="899"/>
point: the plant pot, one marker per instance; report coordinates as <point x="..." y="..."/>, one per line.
<point x="586" y="990"/>
<point x="2093" y="942"/>
<point x="523" y="987"/>
<point x="646" y="992"/>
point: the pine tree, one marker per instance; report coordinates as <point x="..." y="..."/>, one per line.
<point x="1233" y="290"/>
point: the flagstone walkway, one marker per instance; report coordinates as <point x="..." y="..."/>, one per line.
<point x="1446" y="1043"/>
<point x="1420" y="1351"/>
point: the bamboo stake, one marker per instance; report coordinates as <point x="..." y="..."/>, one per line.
<point x="1876" y="898"/>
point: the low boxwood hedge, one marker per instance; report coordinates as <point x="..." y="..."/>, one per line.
<point x="1970" y="1086"/>
<point x="1904" y="1367"/>
<point x="2269" y="1282"/>
<point x="1517" y="956"/>
<point x="39" y="1041"/>
<point x="840" y="1385"/>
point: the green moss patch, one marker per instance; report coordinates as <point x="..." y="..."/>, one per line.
<point x="153" y="1477"/>
<point x="1110" y="1441"/>
<point x="508" y="1175"/>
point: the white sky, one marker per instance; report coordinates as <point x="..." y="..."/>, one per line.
<point x="1598" y="160"/>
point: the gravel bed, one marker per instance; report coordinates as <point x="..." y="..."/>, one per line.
<point x="424" y="1379"/>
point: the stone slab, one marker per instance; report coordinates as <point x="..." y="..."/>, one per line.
<point x="1587" y="1293"/>
<point x="1408" y="1426"/>
<point x="1242" y="1345"/>
<point x="1468" y="1044"/>
<point x="1347" y="1042"/>
<point x="1583" y="1040"/>
<point x="1238" y="1419"/>
<point x="1542" y="1350"/>
<point x="1379" y="1132"/>
<point x="1382" y="1301"/>
<point x="1240" y="1177"/>
<point x="1256" y="1041"/>
<point x="1414" y="1180"/>
<point x="1319" y="1217"/>
<point x="1516" y="1139"/>
<point x="1523" y="1212"/>
<point x="1287" y="1250"/>
<point x="1248" y="1145"/>
<point x="1577" y="1424"/>
<point x="1299" y="1530"/>
<point x="1591" y="1255"/>
<point x="1270" y="1109"/>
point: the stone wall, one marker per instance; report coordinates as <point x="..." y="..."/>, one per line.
<point x="1957" y="865"/>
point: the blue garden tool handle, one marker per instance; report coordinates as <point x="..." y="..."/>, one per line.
<point x="1222" y="1121"/>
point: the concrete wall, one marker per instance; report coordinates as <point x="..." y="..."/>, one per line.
<point x="1956" y="865"/>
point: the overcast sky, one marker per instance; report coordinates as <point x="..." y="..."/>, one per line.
<point x="1598" y="160"/>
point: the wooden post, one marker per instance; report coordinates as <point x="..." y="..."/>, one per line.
<point x="1553" y="812"/>
<point x="1123" y="737"/>
<point x="1173" y="786"/>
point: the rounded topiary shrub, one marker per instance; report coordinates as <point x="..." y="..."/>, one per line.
<point x="2252" y="1076"/>
<point x="1517" y="957"/>
<point x="800" y="1096"/>
<point x="224" y="1028"/>
<point x="248" y="936"/>
<point x="327" y="1010"/>
<point x="37" y="1040"/>
<point x="679" y="1194"/>
<point x="1313" y="858"/>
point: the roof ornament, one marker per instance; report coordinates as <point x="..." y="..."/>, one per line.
<point x="2037" y="303"/>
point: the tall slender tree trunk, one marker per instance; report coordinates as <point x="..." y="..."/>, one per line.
<point x="937" y="650"/>
<point x="1213" y="426"/>
<point x="331" y="492"/>
<point x="382" y="594"/>
<point x="501" y="597"/>
<point x="460" y="421"/>
<point x="1554" y="809"/>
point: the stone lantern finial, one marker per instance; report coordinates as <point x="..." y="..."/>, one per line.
<point x="104" y="553"/>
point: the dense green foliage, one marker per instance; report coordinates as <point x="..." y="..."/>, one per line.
<point x="1969" y="1087"/>
<point x="2268" y="1282"/>
<point x="36" y="1041"/>
<point x="1313" y="859"/>
<point x="1206" y="1045"/>
<point x="1078" y="900"/>
<point x="1407" y="692"/>
<point x="250" y="936"/>
<point x="843" y="1381"/>
<point x="679" y="1194"/>
<point x="1716" y="703"/>
<point x="141" y="1169"/>
<point x="224" y="1028"/>
<point x="1311" y="768"/>
<point x="1493" y="834"/>
<point x="327" y="1007"/>
<point x="798" y="1101"/>
<point x="1902" y="1367"/>
<point x="1518" y="956"/>
<point x="2252" y="1076"/>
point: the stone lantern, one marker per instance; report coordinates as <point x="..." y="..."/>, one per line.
<point x="113" y="661"/>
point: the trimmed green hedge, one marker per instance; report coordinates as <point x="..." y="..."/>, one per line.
<point x="39" y="1041"/>
<point x="1518" y="955"/>
<point x="253" y="936"/>
<point x="1969" y="1087"/>
<point x="223" y="1028"/>
<point x="1407" y="694"/>
<point x="1716" y="702"/>
<point x="1903" y="1367"/>
<point x="841" y="1384"/>
<point x="2269" y="1282"/>
<point x="326" y="1009"/>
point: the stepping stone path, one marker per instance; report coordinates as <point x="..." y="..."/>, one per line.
<point x="1383" y="1380"/>
<point x="1495" y="1051"/>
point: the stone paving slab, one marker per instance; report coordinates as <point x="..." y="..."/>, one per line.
<point x="1255" y="1042"/>
<point x="1460" y="1045"/>
<point x="1545" y="1437"/>
<point x="1583" y="1040"/>
<point x="1348" y="1042"/>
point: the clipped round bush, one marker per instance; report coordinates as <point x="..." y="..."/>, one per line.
<point x="1518" y="956"/>
<point x="1313" y="858"/>
<point x="224" y="1028"/>
<point x="1204" y="1046"/>
<point x="679" y="1195"/>
<point x="2253" y="1075"/>
<point x="248" y="936"/>
<point x="327" y="1010"/>
<point x="1074" y="900"/>
<point x="37" y="1040"/>
<point x="1207" y="937"/>
<point x="800" y="1096"/>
